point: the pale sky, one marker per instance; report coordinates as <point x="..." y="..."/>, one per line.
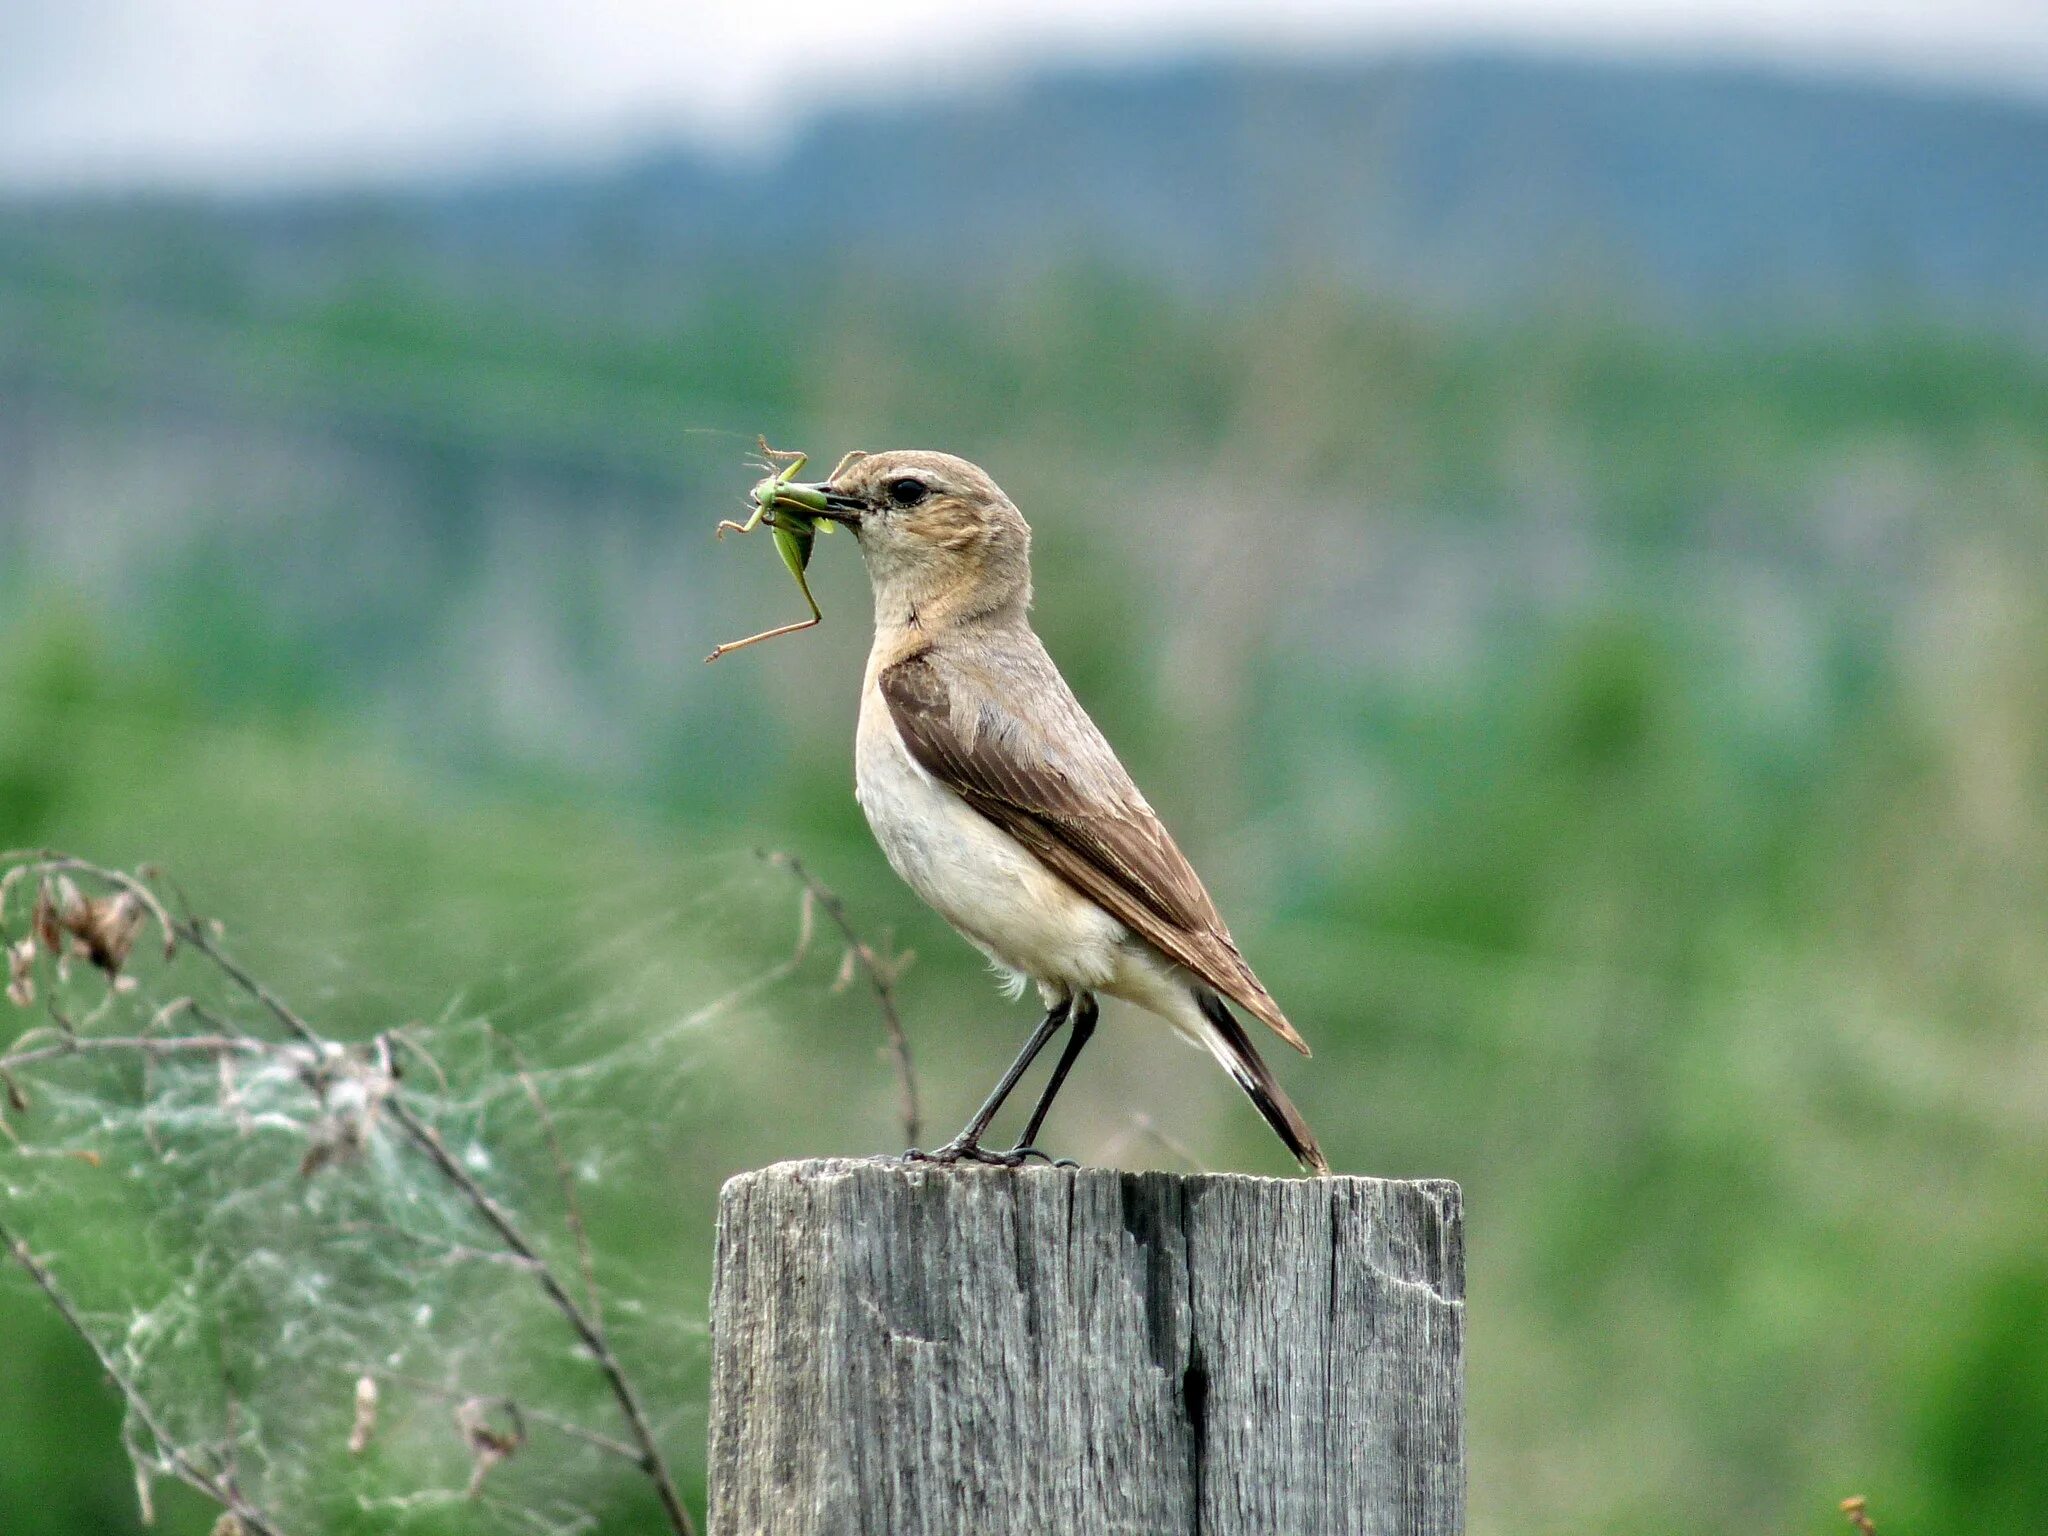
<point x="247" y="92"/>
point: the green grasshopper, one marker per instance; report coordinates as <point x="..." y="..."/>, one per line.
<point x="790" y="511"/>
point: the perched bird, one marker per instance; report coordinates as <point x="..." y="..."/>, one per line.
<point x="996" y="798"/>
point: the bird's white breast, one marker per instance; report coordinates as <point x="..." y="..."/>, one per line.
<point x="974" y="874"/>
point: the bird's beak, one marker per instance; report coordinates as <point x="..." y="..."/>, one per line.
<point x="824" y="500"/>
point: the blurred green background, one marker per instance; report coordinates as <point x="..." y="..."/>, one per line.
<point x="1604" y="680"/>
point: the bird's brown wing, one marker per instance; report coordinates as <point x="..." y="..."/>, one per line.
<point x="1110" y="847"/>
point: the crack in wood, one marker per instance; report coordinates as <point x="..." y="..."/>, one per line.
<point x="922" y="1352"/>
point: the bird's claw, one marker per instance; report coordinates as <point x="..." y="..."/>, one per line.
<point x="973" y="1152"/>
<point x="962" y="1152"/>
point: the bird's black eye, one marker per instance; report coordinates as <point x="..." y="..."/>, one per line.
<point x="908" y="491"/>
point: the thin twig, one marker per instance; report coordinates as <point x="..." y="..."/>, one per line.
<point x="572" y="1208"/>
<point x="444" y="1251"/>
<point x="500" y="1220"/>
<point x="592" y="1336"/>
<point x="140" y="1045"/>
<point x="173" y="1455"/>
<point x="584" y="1320"/>
<point x="881" y="980"/>
<point x="194" y="934"/>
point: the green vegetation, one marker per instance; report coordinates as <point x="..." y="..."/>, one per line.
<point x="1625" y="753"/>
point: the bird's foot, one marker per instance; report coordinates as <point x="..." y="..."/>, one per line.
<point x="961" y="1150"/>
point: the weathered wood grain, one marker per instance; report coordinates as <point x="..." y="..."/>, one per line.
<point x="912" y="1351"/>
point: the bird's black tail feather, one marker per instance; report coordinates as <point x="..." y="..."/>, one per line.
<point x="1229" y="1043"/>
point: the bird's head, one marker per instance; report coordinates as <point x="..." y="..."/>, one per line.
<point x="940" y="538"/>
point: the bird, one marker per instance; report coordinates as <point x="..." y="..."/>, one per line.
<point x="997" y="799"/>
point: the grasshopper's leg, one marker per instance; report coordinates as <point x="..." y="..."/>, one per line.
<point x="812" y="622"/>
<point x="760" y="511"/>
<point x="793" y="460"/>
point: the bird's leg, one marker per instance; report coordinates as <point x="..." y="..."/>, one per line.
<point x="967" y="1147"/>
<point x="1084" y="1016"/>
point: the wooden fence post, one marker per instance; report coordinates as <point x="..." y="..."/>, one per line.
<point x="908" y="1351"/>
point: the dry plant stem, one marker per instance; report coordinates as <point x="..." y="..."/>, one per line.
<point x="195" y="935"/>
<point x="179" y="1460"/>
<point x="140" y="1045"/>
<point x="444" y="1251"/>
<point x="585" y="1321"/>
<point x="588" y="1329"/>
<point x="879" y="981"/>
<point x="572" y="1209"/>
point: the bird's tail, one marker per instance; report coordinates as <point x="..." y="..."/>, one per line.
<point x="1229" y="1044"/>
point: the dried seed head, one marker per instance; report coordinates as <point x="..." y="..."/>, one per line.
<point x="488" y="1444"/>
<point x="106" y="930"/>
<point x="101" y="929"/>
<point x="21" y="983"/>
<point x="44" y="921"/>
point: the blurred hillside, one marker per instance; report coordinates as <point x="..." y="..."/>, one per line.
<point x="1463" y="182"/>
<point x="1466" y="182"/>
<point x="1562" y="545"/>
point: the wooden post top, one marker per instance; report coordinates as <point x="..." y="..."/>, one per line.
<point x="907" y="1349"/>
